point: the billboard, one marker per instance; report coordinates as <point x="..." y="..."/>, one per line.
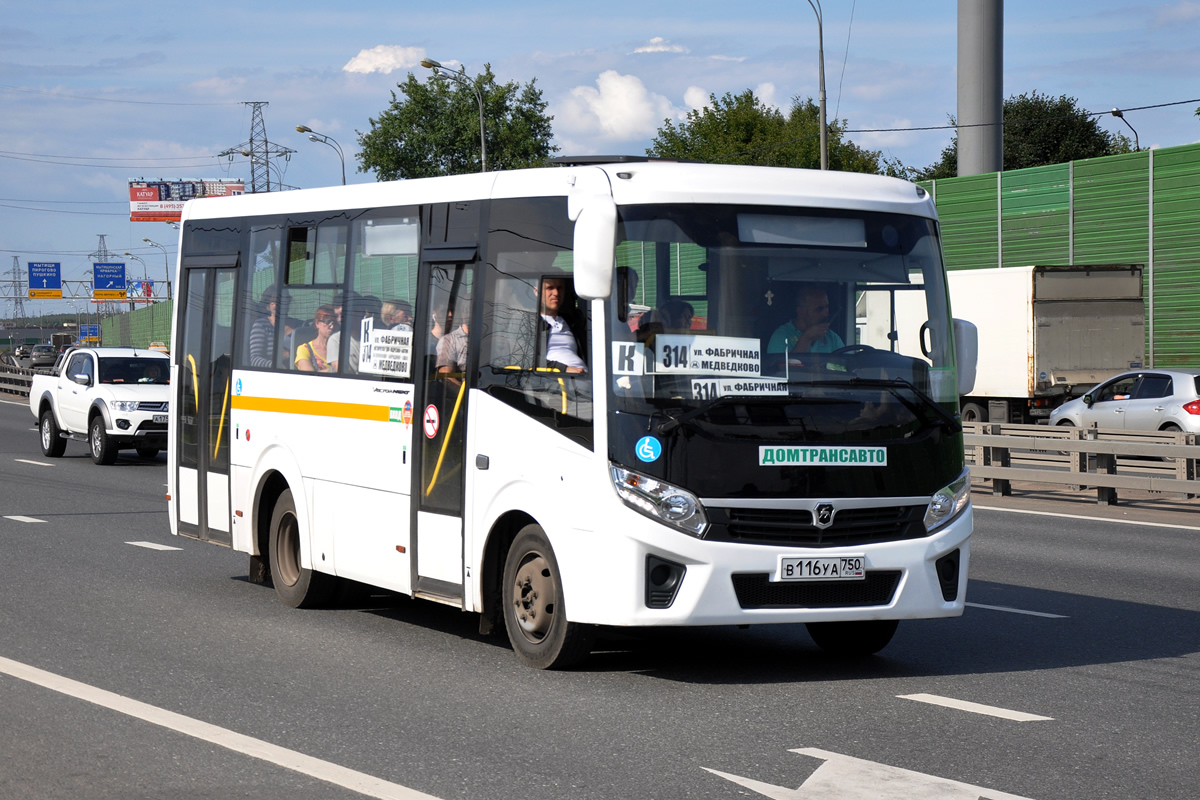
<point x="162" y="201"/>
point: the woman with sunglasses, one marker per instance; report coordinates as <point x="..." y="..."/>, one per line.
<point x="313" y="356"/>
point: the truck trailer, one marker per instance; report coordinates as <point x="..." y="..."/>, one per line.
<point x="1046" y="333"/>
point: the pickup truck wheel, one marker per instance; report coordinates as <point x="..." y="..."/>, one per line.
<point x="104" y="452"/>
<point x="53" y="445"/>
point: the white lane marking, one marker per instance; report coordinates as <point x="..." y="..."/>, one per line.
<point x="1089" y="519"/>
<point x="18" y="518"/>
<point x="1018" y="611"/>
<point x="154" y="546"/>
<point x="975" y="708"/>
<point x="849" y="778"/>
<point x="326" y="771"/>
<point x="35" y="463"/>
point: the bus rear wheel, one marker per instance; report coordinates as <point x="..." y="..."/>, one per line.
<point x="534" y="613"/>
<point x="853" y="639"/>
<point x="296" y="586"/>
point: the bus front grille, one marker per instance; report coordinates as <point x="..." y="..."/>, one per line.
<point x="794" y="527"/>
<point x="755" y="590"/>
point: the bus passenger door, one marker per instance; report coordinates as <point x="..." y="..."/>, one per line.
<point x="440" y="440"/>
<point x="201" y="394"/>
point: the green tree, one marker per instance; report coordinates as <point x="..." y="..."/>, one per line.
<point x="741" y="129"/>
<point x="1038" y="130"/>
<point x="434" y="129"/>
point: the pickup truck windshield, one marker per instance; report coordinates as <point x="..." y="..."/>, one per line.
<point x="134" y="370"/>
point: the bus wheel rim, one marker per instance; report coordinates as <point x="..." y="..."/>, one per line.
<point x="533" y="597"/>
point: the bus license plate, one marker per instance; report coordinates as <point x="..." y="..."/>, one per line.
<point x="160" y="418"/>
<point x="830" y="568"/>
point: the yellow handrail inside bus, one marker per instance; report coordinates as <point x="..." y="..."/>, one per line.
<point x="221" y="424"/>
<point x="195" y="382"/>
<point x="562" y="385"/>
<point x="462" y="389"/>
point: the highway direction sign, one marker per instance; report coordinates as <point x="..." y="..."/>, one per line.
<point x="108" y="281"/>
<point x="45" y="280"/>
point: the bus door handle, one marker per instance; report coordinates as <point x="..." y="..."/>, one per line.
<point x="482" y="462"/>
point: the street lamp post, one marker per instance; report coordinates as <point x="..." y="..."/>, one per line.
<point x="461" y="79"/>
<point x="313" y="136"/>
<point x="166" y="262"/>
<point x="78" y="338"/>
<point x="1116" y="112"/>
<point x="816" y="7"/>
<point x="145" y="278"/>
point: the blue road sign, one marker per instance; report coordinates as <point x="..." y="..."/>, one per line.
<point x="45" y="279"/>
<point x="108" y="277"/>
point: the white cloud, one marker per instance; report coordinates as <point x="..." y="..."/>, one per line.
<point x="660" y="45"/>
<point x="766" y="93"/>
<point x="696" y="98"/>
<point x="620" y="108"/>
<point x="735" y="59"/>
<point x="385" y="58"/>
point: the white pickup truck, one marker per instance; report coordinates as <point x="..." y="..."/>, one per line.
<point x="113" y="398"/>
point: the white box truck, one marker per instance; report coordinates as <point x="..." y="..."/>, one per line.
<point x="1046" y="333"/>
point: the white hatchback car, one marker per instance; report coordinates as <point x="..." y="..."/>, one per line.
<point x="1140" y="400"/>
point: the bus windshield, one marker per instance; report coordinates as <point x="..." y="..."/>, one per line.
<point x="720" y="309"/>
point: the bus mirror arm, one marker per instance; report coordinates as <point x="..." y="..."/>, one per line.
<point x="966" y="354"/>
<point x="595" y="245"/>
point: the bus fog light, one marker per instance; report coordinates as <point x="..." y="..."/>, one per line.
<point x="948" y="502"/>
<point x="660" y="500"/>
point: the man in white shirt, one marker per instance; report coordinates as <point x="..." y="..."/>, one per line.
<point x="562" y="344"/>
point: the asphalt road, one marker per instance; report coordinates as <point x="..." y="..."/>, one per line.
<point x="128" y="671"/>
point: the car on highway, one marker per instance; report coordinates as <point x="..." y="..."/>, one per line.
<point x="1138" y="400"/>
<point x="21" y="351"/>
<point x="42" y="355"/>
<point x="113" y="398"/>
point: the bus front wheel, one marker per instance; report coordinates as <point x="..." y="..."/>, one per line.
<point x="534" y="614"/>
<point x="296" y="586"/>
<point x="853" y="639"/>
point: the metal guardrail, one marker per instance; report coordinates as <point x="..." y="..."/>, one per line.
<point x="15" y="380"/>
<point x="1101" y="459"/>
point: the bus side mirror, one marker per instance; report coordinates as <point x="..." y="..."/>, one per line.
<point x="966" y="354"/>
<point x="595" y="244"/>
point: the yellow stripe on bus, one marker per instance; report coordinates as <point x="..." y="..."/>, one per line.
<point x="314" y="408"/>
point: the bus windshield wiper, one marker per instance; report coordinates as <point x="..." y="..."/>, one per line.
<point x="671" y="423"/>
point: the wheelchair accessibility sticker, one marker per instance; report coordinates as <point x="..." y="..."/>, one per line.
<point x="648" y="449"/>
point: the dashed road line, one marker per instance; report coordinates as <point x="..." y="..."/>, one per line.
<point x="19" y="518"/>
<point x="35" y="463"/>
<point x="1018" y="611"/>
<point x="360" y="782"/>
<point x="154" y="546"/>
<point x="975" y="708"/>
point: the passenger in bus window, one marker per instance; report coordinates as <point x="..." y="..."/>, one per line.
<point x="452" y="348"/>
<point x="397" y="315"/>
<point x="262" y="332"/>
<point x="560" y="327"/>
<point x="808" y="331"/>
<point x="313" y="356"/>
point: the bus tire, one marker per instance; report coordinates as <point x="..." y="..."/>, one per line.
<point x="104" y="450"/>
<point x="296" y="586"/>
<point x="853" y="639"/>
<point x="53" y="445"/>
<point x="534" y="613"/>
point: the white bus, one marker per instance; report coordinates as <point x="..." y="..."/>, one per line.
<point x="552" y="397"/>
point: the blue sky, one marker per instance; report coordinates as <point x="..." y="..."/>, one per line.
<point x="95" y="93"/>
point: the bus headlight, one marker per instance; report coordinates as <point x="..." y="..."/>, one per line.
<point x="948" y="501"/>
<point x="660" y="500"/>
